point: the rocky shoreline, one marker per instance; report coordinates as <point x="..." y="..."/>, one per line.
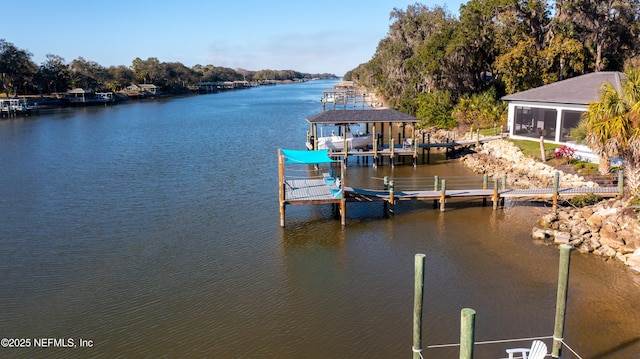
<point x="610" y="228"/>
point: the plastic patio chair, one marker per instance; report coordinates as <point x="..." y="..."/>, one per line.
<point x="538" y="350"/>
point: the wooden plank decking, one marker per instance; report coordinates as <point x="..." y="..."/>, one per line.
<point x="310" y="191"/>
<point x="318" y="192"/>
<point x="359" y="194"/>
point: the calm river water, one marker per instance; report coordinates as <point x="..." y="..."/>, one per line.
<point x="151" y="229"/>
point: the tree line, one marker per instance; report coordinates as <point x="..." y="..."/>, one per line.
<point x="434" y="66"/>
<point x="22" y="76"/>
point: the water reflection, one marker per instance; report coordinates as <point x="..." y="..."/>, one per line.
<point x="143" y="228"/>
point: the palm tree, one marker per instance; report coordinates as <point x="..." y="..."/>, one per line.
<point x="613" y="127"/>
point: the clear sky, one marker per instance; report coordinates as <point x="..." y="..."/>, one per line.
<point x="302" y="35"/>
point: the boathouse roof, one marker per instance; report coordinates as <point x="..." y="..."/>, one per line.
<point x="580" y="90"/>
<point x="336" y="117"/>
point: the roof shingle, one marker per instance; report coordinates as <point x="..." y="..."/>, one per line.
<point x="579" y="90"/>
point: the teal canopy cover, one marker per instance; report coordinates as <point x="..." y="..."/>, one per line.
<point x="308" y="157"/>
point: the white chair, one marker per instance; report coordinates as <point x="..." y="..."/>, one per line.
<point x="407" y="144"/>
<point x="538" y="350"/>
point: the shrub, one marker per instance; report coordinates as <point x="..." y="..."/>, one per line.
<point x="584" y="200"/>
<point x="565" y="153"/>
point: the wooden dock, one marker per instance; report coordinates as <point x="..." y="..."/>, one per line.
<point x="327" y="188"/>
<point x="319" y="191"/>
<point x="359" y="195"/>
<point x="15" y="107"/>
<point x="311" y="191"/>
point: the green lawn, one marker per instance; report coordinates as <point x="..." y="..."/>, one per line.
<point x="532" y="148"/>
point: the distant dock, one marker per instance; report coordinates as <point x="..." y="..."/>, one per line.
<point x="15" y="107"/>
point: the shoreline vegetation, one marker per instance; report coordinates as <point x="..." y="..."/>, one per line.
<point x="609" y="228"/>
<point x="59" y="100"/>
<point x="85" y="79"/>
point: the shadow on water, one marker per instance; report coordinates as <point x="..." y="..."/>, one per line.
<point x="622" y="347"/>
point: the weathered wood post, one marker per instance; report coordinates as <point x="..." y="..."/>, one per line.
<point x="391" y="147"/>
<point x="315" y="136"/>
<point x="375" y="147"/>
<point x="543" y="154"/>
<point x="428" y="147"/>
<point x="343" y="200"/>
<point x="495" y="193"/>
<point x="467" y="332"/>
<point x="385" y="182"/>
<point x="436" y="181"/>
<point x="281" y="185"/>
<point x="620" y="183"/>
<point x="391" y="196"/>
<point x="344" y="142"/>
<point x="561" y="300"/>
<point x="418" y="294"/>
<point x="485" y="182"/>
<point x="443" y="194"/>
<point x="415" y="151"/>
<point x="556" y="188"/>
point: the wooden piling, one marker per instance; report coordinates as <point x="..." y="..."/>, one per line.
<point x="375" y="147"/>
<point x="418" y="294"/>
<point x="556" y="186"/>
<point x="543" y="154"/>
<point x="485" y="182"/>
<point x="443" y="194"/>
<point x="435" y="189"/>
<point x="391" y="197"/>
<point x="343" y="200"/>
<point x="415" y="150"/>
<point x="620" y="184"/>
<point x="281" y="186"/>
<point x="467" y="332"/>
<point x="561" y="300"/>
<point x="428" y="147"/>
<point x="495" y="193"/>
<point x="391" y="147"/>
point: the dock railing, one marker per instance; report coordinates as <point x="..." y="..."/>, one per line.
<point x="434" y="183"/>
<point x="496" y="188"/>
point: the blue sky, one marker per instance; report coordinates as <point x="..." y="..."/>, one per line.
<point x="301" y="35"/>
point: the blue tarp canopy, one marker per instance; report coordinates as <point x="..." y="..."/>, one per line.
<point x="307" y="157"/>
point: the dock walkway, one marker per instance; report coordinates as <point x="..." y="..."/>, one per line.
<point x="324" y="191"/>
<point x="359" y="194"/>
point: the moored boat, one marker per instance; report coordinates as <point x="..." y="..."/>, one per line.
<point x="354" y="141"/>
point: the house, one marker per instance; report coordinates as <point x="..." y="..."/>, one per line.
<point x="142" y="89"/>
<point x="78" y="95"/>
<point x="551" y="111"/>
